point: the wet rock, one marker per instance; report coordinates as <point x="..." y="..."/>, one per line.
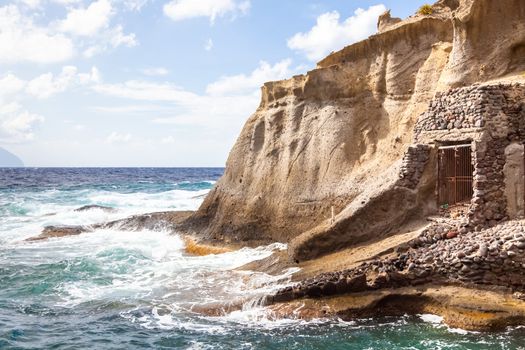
<point x="59" y="231"/>
<point x="94" y="206"/>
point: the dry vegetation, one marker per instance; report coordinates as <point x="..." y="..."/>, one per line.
<point x="425" y="10"/>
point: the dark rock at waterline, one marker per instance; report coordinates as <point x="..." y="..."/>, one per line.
<point x="168" y="220"/>
<point x="95" y="206"/>
<point x="59" y="231"/>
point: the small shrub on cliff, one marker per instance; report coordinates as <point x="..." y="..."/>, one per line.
<point x="425" y="10"/>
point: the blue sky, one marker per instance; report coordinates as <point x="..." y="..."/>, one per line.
<point x="156" y="82"/>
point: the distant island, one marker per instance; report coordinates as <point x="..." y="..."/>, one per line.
<point x="9" y="160"/>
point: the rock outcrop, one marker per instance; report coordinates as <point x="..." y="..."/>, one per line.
<point x="319" y="164"/>
<point x="492" y="257"/>
<point x="490" y="263"/>
<point x="159" y="221"/>
<point x="386" y="21"/>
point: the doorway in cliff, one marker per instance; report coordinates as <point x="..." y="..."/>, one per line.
<point x="455" y="175"/>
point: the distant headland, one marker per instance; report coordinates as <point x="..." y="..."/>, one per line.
<point x="9" y="160"/>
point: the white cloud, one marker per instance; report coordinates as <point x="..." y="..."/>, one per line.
<point x="155" y="71"/>
<point x="329" y="34"/>
<point x="79" y="127"/>
<point x="66" y="2"/>
<point x="17" y="124"/>
<point x="135" y="5"/>
<point x="179" y="10"/>
<point x="117" y="37"/>
<point x="209" y="45"/>
<point x="110" y="39"/>
<point x="116" y="137"/>
<point x="87" y="21"/>
<point x="242" y="83"/>
<point x="225" y="106"/>
<point x="129" y="109"/>
<point x="31" y="3"/>
<point x="47" y="84"/>
<point x="168" y="140"/>
<point x="146" y="91"/>
<point x="92" y="77"/>
<point x="10" y="84"/>
<point x="22" y="40"/>
<point x="185" y="108"/>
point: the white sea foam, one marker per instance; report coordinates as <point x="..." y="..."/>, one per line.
<point x="148" y="269"/>
<point x="149" y="265"/>
<point x="53" y="207"/>
<point x="437" y="321"/>
<point x="143" y="202"/>
<point x="430" y="318"/>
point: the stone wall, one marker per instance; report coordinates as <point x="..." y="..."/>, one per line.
<point x="488" y="205"/>
<point x="490" y="117"/>
<point x="494" y="108"/>
<point x="414" y="162"/>
<point x="493" y="257"/>
<point x="514" y="171"/>
<point x="455" y="109"/>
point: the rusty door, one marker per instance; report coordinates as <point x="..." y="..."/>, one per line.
<point x="455" y="175"/>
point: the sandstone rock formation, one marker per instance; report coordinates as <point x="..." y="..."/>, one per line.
<point x="386" y="21"/>
<point x="333" y="140"/>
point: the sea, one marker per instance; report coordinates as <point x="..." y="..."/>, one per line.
<point x="138" y="289"/>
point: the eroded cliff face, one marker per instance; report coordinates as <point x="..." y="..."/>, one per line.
<point x="489" y="42"/>
<point x="331" y="138"/>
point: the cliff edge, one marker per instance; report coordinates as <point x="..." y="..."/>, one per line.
<point x="320" y="163"/>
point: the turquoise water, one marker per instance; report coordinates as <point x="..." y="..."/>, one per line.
<point x="113" y="289"/>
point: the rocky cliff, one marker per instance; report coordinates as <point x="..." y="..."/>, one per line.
<point x="322" y="153"/>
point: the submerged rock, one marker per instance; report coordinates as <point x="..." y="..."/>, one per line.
<point x="95" y="206"/>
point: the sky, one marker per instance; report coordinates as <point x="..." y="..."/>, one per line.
<point x="156" y="82"/>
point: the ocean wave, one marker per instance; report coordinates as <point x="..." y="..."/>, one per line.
<point x="132" y="266"/>
<point x="24" y="215"/>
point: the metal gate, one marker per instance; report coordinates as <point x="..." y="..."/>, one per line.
<point x="455" y="173"/>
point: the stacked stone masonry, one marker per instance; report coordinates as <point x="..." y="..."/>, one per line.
<point x="490" y="117"/>
<point x="414" y="162"/>
<point x="492" y="257"/>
